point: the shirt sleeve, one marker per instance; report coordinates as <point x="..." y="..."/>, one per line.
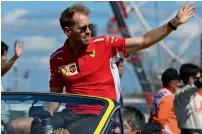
<point x="56" y="79"/>
<point x="183" y="96"/>
<point x="117" y="46"/>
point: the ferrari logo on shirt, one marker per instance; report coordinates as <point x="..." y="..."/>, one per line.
<point x="69" y="70"/>
<point x="63" y="70"/>
<point x="72" y="68"/>
<point x="92" y="54"/>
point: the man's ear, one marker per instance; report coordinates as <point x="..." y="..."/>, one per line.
<point x="67" y="31"/>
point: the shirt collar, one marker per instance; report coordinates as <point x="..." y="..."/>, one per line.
<point x="90" y="47"/>
<point x="67" y="53"/>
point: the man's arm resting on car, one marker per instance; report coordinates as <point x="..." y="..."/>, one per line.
<point x="54" y="106"/>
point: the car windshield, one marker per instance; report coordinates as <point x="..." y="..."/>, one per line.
<point x="75" y="113"/>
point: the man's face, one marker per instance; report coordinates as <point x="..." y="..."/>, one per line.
<point x="127" y="129"/>
<point x="80" y="32"/>
<point x="4" y="58"/>
<point x="175" y="84"/>
<point x="121" y="69"/>
<point x="192" y="79"/>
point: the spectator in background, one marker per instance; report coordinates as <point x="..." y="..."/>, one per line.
<point x="188" y="101"/>
<point x="163" y="107"/>
<point x="6" y="65"/>
<point x="121" y="68"/>
<point x="134" y="121"/>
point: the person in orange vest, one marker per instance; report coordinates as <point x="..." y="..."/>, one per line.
<point x="163" y="108"/>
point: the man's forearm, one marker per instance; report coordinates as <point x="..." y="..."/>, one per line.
<point x="52" y="106"/>
<point x="185" y="93"/>
<point x="6" y="67"/>
<point x="156" y="35"/>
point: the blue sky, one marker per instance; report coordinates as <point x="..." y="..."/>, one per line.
<point x="36" y="26"/>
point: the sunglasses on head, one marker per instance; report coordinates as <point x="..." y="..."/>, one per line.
<point x="84" y="28"/>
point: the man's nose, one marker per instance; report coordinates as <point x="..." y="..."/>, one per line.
<point x="88" y="31"/>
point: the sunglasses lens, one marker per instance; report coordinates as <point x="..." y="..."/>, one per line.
<point x="83" y="29"/>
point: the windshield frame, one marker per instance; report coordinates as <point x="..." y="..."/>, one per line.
<point x="110" y="106"/>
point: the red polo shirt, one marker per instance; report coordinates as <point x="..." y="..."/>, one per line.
<point x="94" y="72"/>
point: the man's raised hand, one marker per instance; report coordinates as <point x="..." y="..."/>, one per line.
<point x="185" y="13"/>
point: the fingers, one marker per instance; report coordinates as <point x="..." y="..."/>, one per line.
<point x="187" y="6"/>
<point x="51" y="112"/>
<point x="191" y="10"/>
<point x="188" y="10"/>
<point x="61" y="131"/>
<point x="16" y="42"/>
<point x="191" y="16"/>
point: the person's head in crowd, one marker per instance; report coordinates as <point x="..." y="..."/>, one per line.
<point x="171" y="79"/>
<point x="134" y="121"/>
<point x="188" y="73"/>
<point x="76" y="25"/>
<point x="4" y="50"/>
<point x="121" y="67"/>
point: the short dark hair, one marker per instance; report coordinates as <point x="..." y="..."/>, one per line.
<point x="67" y="14"/>
<point x="168" y="75"/>
<point x="135" y="117"/>
<point x="121" y="60"/>
<point x="4" y="48"/>
<point x="188" y="70"/>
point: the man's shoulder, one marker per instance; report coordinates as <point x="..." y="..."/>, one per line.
<point x="57" y="53"/>
<point x="163" y="95"/>
<point x="98" y="39"/>
<point x="164" y="92"/>
<point x="104" y="38"/>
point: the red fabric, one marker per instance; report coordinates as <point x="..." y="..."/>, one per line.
<point x="94" y="75"/>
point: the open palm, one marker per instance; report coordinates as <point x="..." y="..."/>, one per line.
<point x="18" y="49"/>
<point x="185" y="13"/>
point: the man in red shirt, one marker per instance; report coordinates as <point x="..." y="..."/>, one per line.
<point x="86" y="65"/>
